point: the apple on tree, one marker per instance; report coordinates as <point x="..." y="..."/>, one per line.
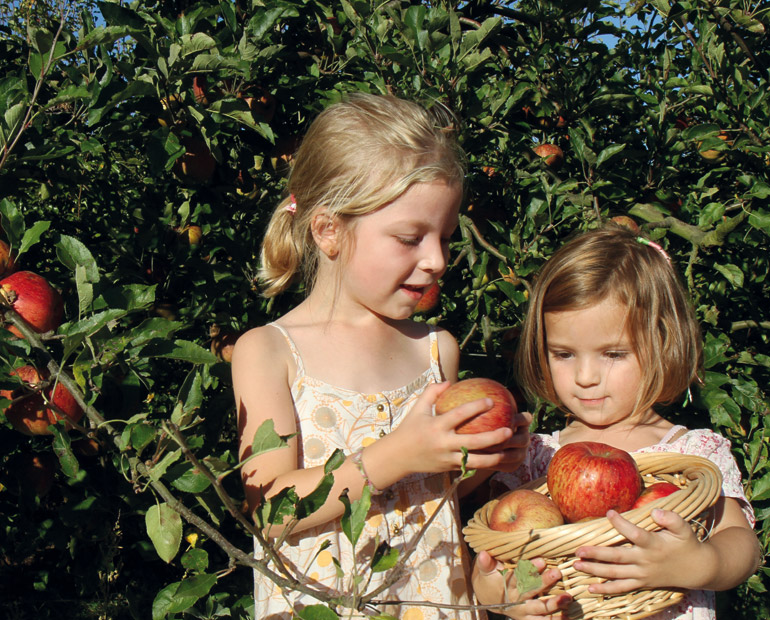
<point x="522" y="510"/>
<point x="33" y="410"/>
<point x="466" y="391"/>
<point x="551" y="154"/>
<point x="588" y="478"/>
<point x="34" y="299"/>
<point x="655" y="491"/>
<point x="6" y="259"/>
<point x="429" y="299"/>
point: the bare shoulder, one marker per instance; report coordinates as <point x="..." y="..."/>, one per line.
<point x="260" y="347"/>
<point x="449" y="352"/>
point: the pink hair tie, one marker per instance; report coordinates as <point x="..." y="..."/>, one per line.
<point x="292" y="206"/>
<point x="655" y="246"/>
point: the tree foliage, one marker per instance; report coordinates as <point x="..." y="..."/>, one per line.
<point x="122" y="133"/>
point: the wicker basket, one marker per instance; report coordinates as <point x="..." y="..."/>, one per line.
<point x="700" y="483"/>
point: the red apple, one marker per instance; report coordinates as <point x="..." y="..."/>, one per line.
<point x="197" y="165"/>
<point x="588" y="478"/>
<point x="36" y="301"/>
<point x="6" y="259"/>
<point x="465" y="391"/>
<point x="552" y="154"/>
<point x="626" y="222"/>
<point x="429" y="299"/>
<point x="655" y="491"/>
<point x="523" y="509"/>
<point x="32" y="415"/>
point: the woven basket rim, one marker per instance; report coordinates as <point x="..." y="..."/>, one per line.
<point x="688" y="502"/>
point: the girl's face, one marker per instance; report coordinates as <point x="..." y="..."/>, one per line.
<point x="594" y="368"/>
<point x="399" y="251"/>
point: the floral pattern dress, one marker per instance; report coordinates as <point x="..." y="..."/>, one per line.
<point x="329" y="418"/>
<point x="696" y="604"/>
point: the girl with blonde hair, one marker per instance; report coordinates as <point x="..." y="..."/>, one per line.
<point x="373" y="199"/>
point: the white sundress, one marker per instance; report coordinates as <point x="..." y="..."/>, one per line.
<point x="328" y="418"/>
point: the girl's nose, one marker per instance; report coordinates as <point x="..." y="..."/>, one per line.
<point x="587" y="373"/>
<point x="434" y="258"/>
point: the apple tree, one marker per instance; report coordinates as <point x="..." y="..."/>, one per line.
<point x="143" y="147"/>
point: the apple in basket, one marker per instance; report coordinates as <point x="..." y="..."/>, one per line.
<point x="465" y="391"/>
<point x="522" y="510"/>
<point x="587" y="478"/>
<point x="655" y="491"/>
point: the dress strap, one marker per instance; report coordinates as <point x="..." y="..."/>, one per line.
<point x="294" y="350"/>
<point x="675" y="432"/>
<point x="435" y="358"/>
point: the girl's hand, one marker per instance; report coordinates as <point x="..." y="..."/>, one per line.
<point x="428" y="443"/>
<point x="514" y="450"/>
<point x="492" y="587"/>
<point x="653" y="560"/>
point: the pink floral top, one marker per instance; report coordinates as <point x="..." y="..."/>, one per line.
<point x="696" y="604"/>
<point x="328" y="418"/>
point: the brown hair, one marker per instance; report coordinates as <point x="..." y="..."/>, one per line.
<point x="611" y="262"/>
<point x="358" y="155"/>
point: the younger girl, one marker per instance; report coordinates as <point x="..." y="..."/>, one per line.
<point x="609" y="335"/>
<point x="374" y="198"/>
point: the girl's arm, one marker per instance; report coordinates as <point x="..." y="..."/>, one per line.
<point x="674" y="557"/>
<point x="262" y="371"/>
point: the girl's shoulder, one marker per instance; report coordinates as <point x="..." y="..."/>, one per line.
<point x="260" y="345"/>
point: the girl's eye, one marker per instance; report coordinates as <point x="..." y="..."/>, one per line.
<point x="561" y="355"/>
<point x="617" y="355"/>
<point x="410" y="241"/>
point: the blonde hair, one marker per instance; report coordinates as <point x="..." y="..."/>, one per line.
<point x="612" y="263"/>
<point x="357" y="156"/>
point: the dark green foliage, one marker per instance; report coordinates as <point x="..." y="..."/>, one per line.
<point x="96" y="117"/>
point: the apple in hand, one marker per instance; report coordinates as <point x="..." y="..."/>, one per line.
<point x="655" y="491"/>
<point x="523" y="509"/>
<point x="588" y="478"/>
<point x="466" y="391"/>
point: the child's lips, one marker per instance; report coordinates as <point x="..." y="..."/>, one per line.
<point x="415" y="292"/>
<point x="591" y="402"/>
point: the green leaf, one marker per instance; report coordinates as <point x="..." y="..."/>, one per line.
<point x="180" y="596"/>
<point x="187" y="479"/>
<point x="85" y="290"/>
<point x="195" y="560"/>
<point x="608" y="153"/>
<point x="354" y="515"/>
<point x="384" y="558"/>
<point x="13" y="221"/>
<point x="527" y="576"/>
<point x="183" y="350"/>
<point x="266" y="439"/>
<point x="760" y="489"/>
<point x="278" y="508"/>
<point x="73" y="252"/>
<point x="164" y="527"/>
<point x="63" y="450"/>
<point x="32" y="235"/>
<point x="733" y="274"/>
<point x="317" y="612"/>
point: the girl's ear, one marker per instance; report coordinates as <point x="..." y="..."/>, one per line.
<point x="327" y="232"/>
